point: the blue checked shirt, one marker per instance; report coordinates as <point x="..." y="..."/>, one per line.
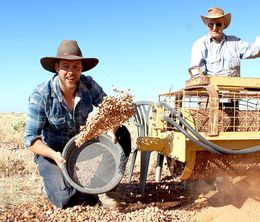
<point x="223" y="58"/>
<point x="48" y="117"/>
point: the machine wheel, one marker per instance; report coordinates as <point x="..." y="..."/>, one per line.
<point x="176" y="167"/>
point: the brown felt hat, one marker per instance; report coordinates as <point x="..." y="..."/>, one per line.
<point x="215" y="13"/>
<point x="68" y="49"/>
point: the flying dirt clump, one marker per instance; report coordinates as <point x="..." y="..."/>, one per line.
<point x="111" y="113"/>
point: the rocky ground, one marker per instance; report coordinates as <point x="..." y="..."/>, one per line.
<point x="236" y="199"/>
<point x="165" y="201"/>
<point x="168" y="200"/>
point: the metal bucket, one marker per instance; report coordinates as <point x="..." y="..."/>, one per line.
<point x="95" y="167"/>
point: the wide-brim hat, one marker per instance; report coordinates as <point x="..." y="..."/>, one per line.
<point x="69" y="50"/>
<point x="215" y="13"/>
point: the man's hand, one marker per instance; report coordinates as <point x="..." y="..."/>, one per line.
<point x="59" y="159"/>
<point x="42" y="149"/>
<point x="112" y="134"/>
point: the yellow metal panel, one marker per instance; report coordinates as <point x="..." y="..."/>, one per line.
<point x="179" y="147"/>
<point x="161" y="144"/>
<point x="189" y="165"/>
<point x="224" y="81"/>
<point x="235" y="81"/>
<point x="228" y="144"/>
<point x="159" y="113"/>
<point x="233" y="136"/>
<point x="232" y="144"/>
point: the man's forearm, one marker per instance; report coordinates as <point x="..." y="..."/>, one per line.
<point x="40" y="148"/>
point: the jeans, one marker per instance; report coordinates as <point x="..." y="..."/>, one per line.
<point x="58" y="190"/>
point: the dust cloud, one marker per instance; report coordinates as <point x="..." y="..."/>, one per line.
<point x="236" y="199"/>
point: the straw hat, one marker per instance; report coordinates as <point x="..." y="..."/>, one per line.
<point x="215" y="13"/>
<point x="68" y="49"/>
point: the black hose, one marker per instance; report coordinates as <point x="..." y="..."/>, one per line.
<point x="213" y="146"/>
<point x="194" y="140"/>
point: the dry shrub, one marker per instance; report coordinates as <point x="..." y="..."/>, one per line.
<point x="12" y="129"/>
<point x="18" y="177"/>
<point x="18" y="190"/>
<point x="111" y="113"/>
<point x="13" y="161"/>
<point x="16" y="162"/>
<point x="18" y="172"/>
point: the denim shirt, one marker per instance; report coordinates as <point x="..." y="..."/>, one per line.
<point x="222" y="58"/>
<point x="48" y="117"/>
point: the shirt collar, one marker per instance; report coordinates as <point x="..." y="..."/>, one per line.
<point x="211" y="39"/>
<point x="56" y="88"/>
<point x="57" y="91"/>
<point x="81" y="88"/>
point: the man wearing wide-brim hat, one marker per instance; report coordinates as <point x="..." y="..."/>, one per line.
<point x="57" y="109"/>
<point x="217" y="53"/>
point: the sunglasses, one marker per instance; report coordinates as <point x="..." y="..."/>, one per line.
<point x="218" y="24"/>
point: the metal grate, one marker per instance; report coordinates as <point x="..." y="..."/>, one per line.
<point x="235" y="110"/>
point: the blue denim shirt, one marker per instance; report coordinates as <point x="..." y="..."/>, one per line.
<point x="222" y="58"/>
<point x="48" y="117"/>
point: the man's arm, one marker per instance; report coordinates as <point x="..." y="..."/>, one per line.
<point x="35" y="123"/>
<point x="249" y="50"/>
<point x="197" y="58"/>
<point x="38" y="147"/>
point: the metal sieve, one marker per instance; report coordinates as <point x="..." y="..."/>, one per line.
<point x="97" y="166"/>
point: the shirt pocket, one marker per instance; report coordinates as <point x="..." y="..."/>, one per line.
<point x="232" y="57"/>
<point x="213" y="64"/>
<point x="58" y="122"/>
<point x="83" y="116"/>
<point x="233" y="62"/>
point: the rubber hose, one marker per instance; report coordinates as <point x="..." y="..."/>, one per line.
<point x="194" y="140"/>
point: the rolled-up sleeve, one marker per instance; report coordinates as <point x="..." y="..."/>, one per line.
<point x="35" y="120"/>
<point x="250" y="50"/>
<point x="197" y="55"/>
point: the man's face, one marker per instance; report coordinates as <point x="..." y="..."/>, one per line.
<point x="69" y="72"/>
<point x="216" y="27"/>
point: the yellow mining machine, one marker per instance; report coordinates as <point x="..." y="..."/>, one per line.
<point x="209" y="128"/>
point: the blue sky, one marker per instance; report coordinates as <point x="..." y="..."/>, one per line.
<point x="142" y="45"/>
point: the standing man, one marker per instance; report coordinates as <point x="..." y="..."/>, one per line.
<point x="56" y="110"/>
<point x="220" y="54"/>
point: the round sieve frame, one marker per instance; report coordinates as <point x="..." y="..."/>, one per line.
<point x="110" y="170"/>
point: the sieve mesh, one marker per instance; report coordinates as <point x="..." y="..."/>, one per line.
<point x="96" y="167"/>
